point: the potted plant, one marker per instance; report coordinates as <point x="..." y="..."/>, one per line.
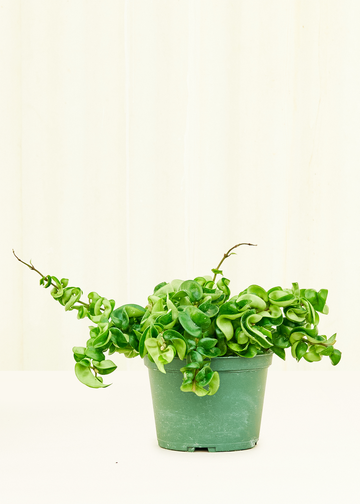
<point x="207" y="352"/>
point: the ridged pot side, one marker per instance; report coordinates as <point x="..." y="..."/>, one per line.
<point x="227" y="421"/>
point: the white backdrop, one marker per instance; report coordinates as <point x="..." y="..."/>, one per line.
<point x="141" y="139"/>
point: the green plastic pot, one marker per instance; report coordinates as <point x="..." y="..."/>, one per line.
<point x="227" y="421"/>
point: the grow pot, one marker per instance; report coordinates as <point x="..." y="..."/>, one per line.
<point x="227" y="421"/>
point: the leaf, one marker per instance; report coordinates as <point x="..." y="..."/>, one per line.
<point x="209" y="309"/>
<point x="57" y="292"/>
<point x="295" y="289"/>
<point x="301" y="350"/>
<point x="253" y="301"/>
<point x="204" y="376"/>
<point x="184" y="302"/>
<point x="295" y="314"/>
<point x="82" y="312"/>
<point x="194" y="387"/>
<point x="332" y="340"/>
<point x="193" y="290"/>
<point x="217" y="271"/>
<point x="160" y="357"/>
<point x="258" y="334"/>
<point x="317" y="299"/>
<point x="152" y="347"/>
<point x="176" y="284"/>
<point x="191" y="344"/>
<point x="79" y="353"/>
<point x="111" y="349"/>
<point x="180" y="346"/>
<point x="118" y="338"/>
<point x="201" y="280"/>
<point x="145" y="335"/>
<point x="158" y="286"/>
<point x="189" y="375"/>
<point x="232" y="308"/>
<point x="102" y="340"/>
<point x="214" y="383"/>
<point x="281" y="298"/>
<point x="315" y="339"/>
<point x="190" y="366"/>
<point x="86" y="377"/>
<point x="258" y="291"/>
<point x="133" y="341"/>
<point x="249" y="352"/>
<point x="95" y="354"/>
<point x="94" y="331"/>
<point x="165" y="319"/>
<point x="169" y="334"/>
<point x="273" y="289"/>
<point x="153" y="300"/>
<point x="199" y="317"/>
<point x="224" y="322"/>
<point x="46" y="279"/>
<point x="281" y="341"/>
<point x="296" y="336"/>
<point x="222" y="285"/>
<point x="163" y="288"/>
<point x="93" y="297"/>
<point x="120" y="318"/>
<point x="293" y="348"/>
<point x="105" y="367"/>
<point x="179" y="295"/>
<point x="188" y="378"/>
<point x="311" y="314"/>
<point x="312" y="356"/>
<point x="167" y="355"/>
<point x="335" y="357"/>
<point x="195" y="356"/>
<point x="235" y="347"/>
<point x="128" y="352"/>
<point x="280" y="352"/>
<point x="187" y="386"/>
<point x="325" y="350"/>
<point x="172" y="307"/>
<point x="211" y="352"/>
<point x="199" y="391"/>
<point x="241" y="337"/>
<point x="285" y="328"/>
<point x="98" y="305"/>
<point x="273" y="312"/>
<point x="108" y="307"/>
<point x="85" y="362"/>
<point x="133" y="310"/>
<point x="75" y="295"/>
<point x="189" y="325"/>
<point x="306" y="331"/>
<point x="207" y="343"/>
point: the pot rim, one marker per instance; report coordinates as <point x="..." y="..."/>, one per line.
<point x="224" y="363"/>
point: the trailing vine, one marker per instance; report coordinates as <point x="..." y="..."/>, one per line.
<point x="196" y="321"/>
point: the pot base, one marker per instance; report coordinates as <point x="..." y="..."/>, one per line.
<point x="224" y="447"/>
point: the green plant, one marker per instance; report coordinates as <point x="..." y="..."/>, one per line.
<point x="196" y="320"/>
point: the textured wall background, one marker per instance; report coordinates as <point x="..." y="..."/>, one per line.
<point x="141" y="139"/>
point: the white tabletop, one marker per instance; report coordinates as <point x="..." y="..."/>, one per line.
<point x="61" y="442"/>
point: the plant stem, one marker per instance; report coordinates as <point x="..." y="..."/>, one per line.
<point x="32" y="267"/>
<point x="227" y="254"/>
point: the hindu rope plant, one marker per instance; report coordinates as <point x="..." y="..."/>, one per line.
<point x="195" y="321"/>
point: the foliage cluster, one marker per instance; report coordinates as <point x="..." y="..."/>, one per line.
<point x="196" y="321"/>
